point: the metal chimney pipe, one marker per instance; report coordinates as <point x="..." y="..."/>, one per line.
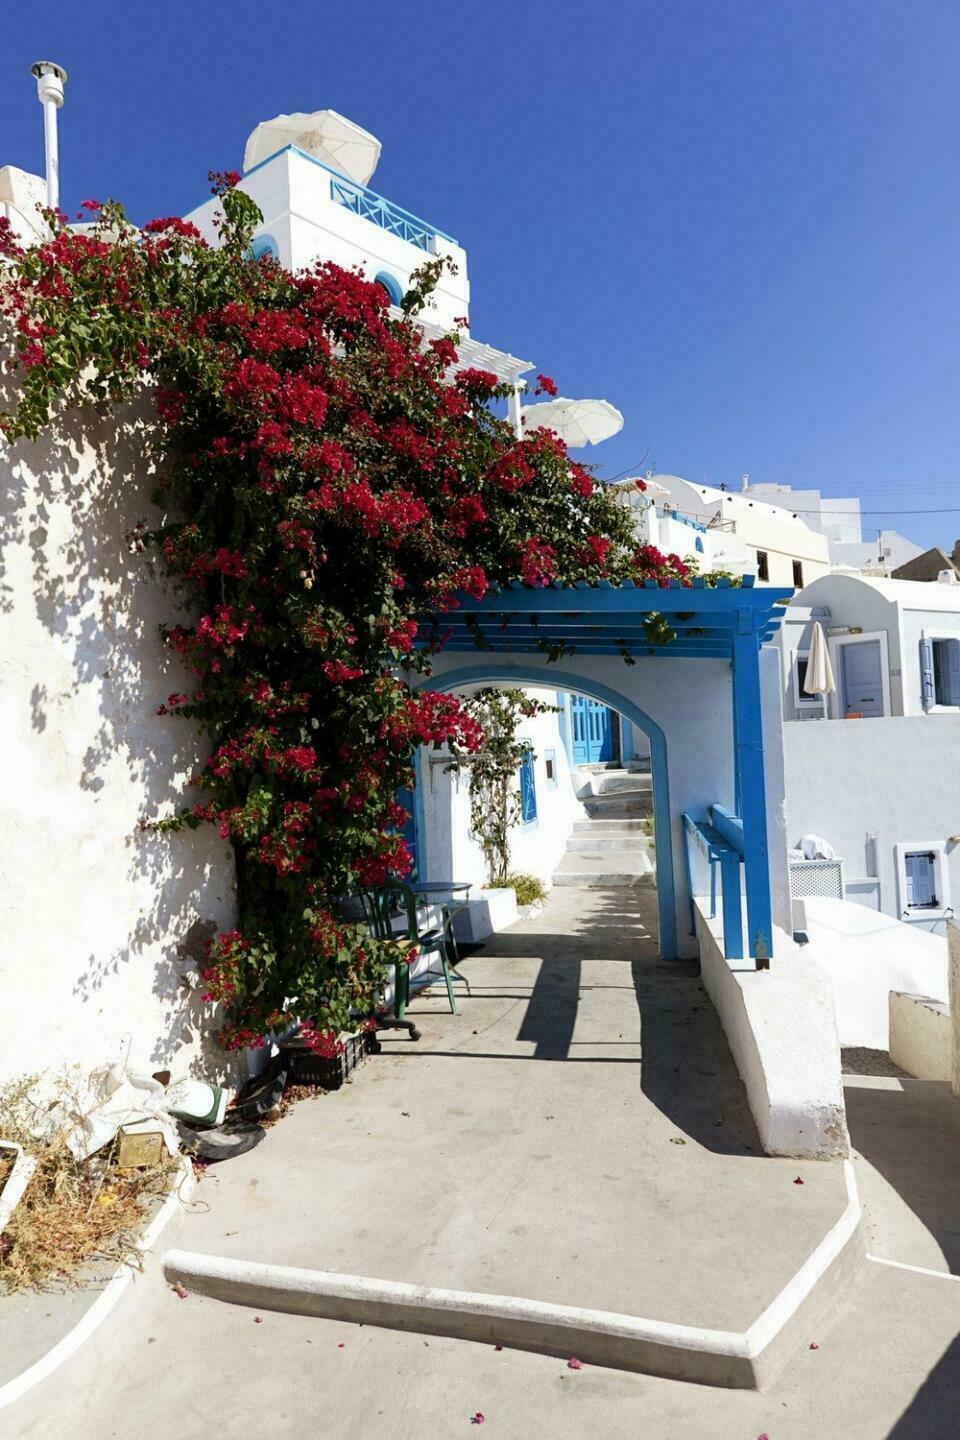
<point x="51" y="79"/>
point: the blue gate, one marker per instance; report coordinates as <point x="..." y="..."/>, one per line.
<point x="592" y="726"/>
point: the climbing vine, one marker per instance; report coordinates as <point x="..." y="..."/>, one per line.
<point x="328" y="480"/>
<point x="493" y="771"/>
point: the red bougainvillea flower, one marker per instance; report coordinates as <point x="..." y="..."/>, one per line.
<point x="538" y="562"/>
<point x="478" y="1418"/>
<point x="336" y="483"/>
<point x="574" y="1364"/>
<point x="640" y="484"/>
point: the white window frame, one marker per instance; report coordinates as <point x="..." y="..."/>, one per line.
<point x="801" y="699"/>
<point x="835" y="643"/>
<point x="941" y="880"/>
<point x="933" y="635"/>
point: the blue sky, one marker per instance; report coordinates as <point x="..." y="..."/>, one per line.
<point x="738" y="221"/>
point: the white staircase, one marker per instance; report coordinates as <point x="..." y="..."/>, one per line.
<point x="612" y="847"/>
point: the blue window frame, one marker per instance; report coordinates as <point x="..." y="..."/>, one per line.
<point x="263" y="245"/>
<point x="698" y="545"/>
<point x="391" y="284"/>
<point x="528" y="789"/>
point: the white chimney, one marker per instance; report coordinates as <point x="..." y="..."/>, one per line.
<point x="948" y="577"/>
<point x="51" y="79"/>
<point x="744" y="482"/>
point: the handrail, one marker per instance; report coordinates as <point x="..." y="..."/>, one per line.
<point x="729" y="825"/>
<point x="719" y="851"/>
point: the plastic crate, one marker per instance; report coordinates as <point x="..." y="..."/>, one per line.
<point x="327" y="1072"/>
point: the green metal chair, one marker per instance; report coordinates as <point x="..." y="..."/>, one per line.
<point x="381" y="907"/>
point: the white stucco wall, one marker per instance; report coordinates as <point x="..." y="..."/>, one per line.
<point x="95" y="914"/>
<point x="867" y="786"/>
<point x="451" y="852"/>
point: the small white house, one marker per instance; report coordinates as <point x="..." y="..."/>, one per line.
<point x="894" y="645"/>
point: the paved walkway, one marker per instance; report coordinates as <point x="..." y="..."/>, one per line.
<point x="524" y="1147"/>
<point x="577" y="1134"/>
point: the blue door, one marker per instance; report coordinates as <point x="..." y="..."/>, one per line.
<point x="592" y="725"/>
<point x="862" y="678"/>
<point x="528" y="789"/>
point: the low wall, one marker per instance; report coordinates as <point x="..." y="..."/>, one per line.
<point x="782" y="1033"/>
<point x="921" y="1036"/>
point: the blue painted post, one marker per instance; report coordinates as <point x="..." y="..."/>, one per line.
<point x="690" y="834"/>
<point x="732" y="905"/>
<point x="753" y="809"/>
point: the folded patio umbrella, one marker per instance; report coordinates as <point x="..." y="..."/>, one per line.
<point x="819" y="677"/>
<point x="325" y="135"/>
<point x="577" y="422"/>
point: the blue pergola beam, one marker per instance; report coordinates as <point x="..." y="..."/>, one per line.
<point x="636" y="601"/>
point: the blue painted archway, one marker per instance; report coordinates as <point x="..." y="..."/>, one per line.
<point x="487" y="671"/>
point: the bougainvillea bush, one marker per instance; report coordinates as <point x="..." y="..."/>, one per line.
<point x="329" y="479"/>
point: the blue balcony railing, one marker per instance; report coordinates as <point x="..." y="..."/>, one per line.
<point x="368" y="204"/>
<point x="390" y="217"/>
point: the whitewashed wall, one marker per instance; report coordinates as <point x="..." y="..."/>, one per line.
<point x="98" y="921"/>
<point x="301" y="215"/>
<point x="451" y="852"/>
<point x="867" y="786"/>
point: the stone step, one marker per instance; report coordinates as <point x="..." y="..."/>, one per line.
<point x="591" y="873"/>
<point x="631" y="767"/>
<point x="618" y="807"/>
<point x="605" y="844"/>
<point x="599" y="826"/>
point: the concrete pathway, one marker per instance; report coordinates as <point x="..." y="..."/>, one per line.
<point x="577" y="1134"/>
<point x="535" y="1157"/>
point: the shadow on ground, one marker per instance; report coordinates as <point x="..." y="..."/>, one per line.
<point x="686" y="1068"/>
<point x="935" y="1410"/>
<point x="910" y="1133"/>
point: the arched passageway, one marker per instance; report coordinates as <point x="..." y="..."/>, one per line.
<point x="683" y="664"/>
<point x="486" y="670"/>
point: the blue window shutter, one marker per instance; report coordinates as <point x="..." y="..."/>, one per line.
<point x="927" y="687"/>
<point x="919" y="870"/>
<point x="950" y="653"/>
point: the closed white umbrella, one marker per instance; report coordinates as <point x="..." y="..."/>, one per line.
<point x="819" y="678"/>
<point x="325" y="135"/>
<point x="577" y="422"/>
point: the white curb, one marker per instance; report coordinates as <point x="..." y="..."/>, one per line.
<point x="105" y="1301"/>
<point x="683" y="1352"/>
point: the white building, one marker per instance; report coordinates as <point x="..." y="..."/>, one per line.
<point x="313" y="213"/>
<point x="839" y="520"/>
<point x="727" y="531"/>
<point x="885" y="796"/>
<point x="894" y="646"/>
